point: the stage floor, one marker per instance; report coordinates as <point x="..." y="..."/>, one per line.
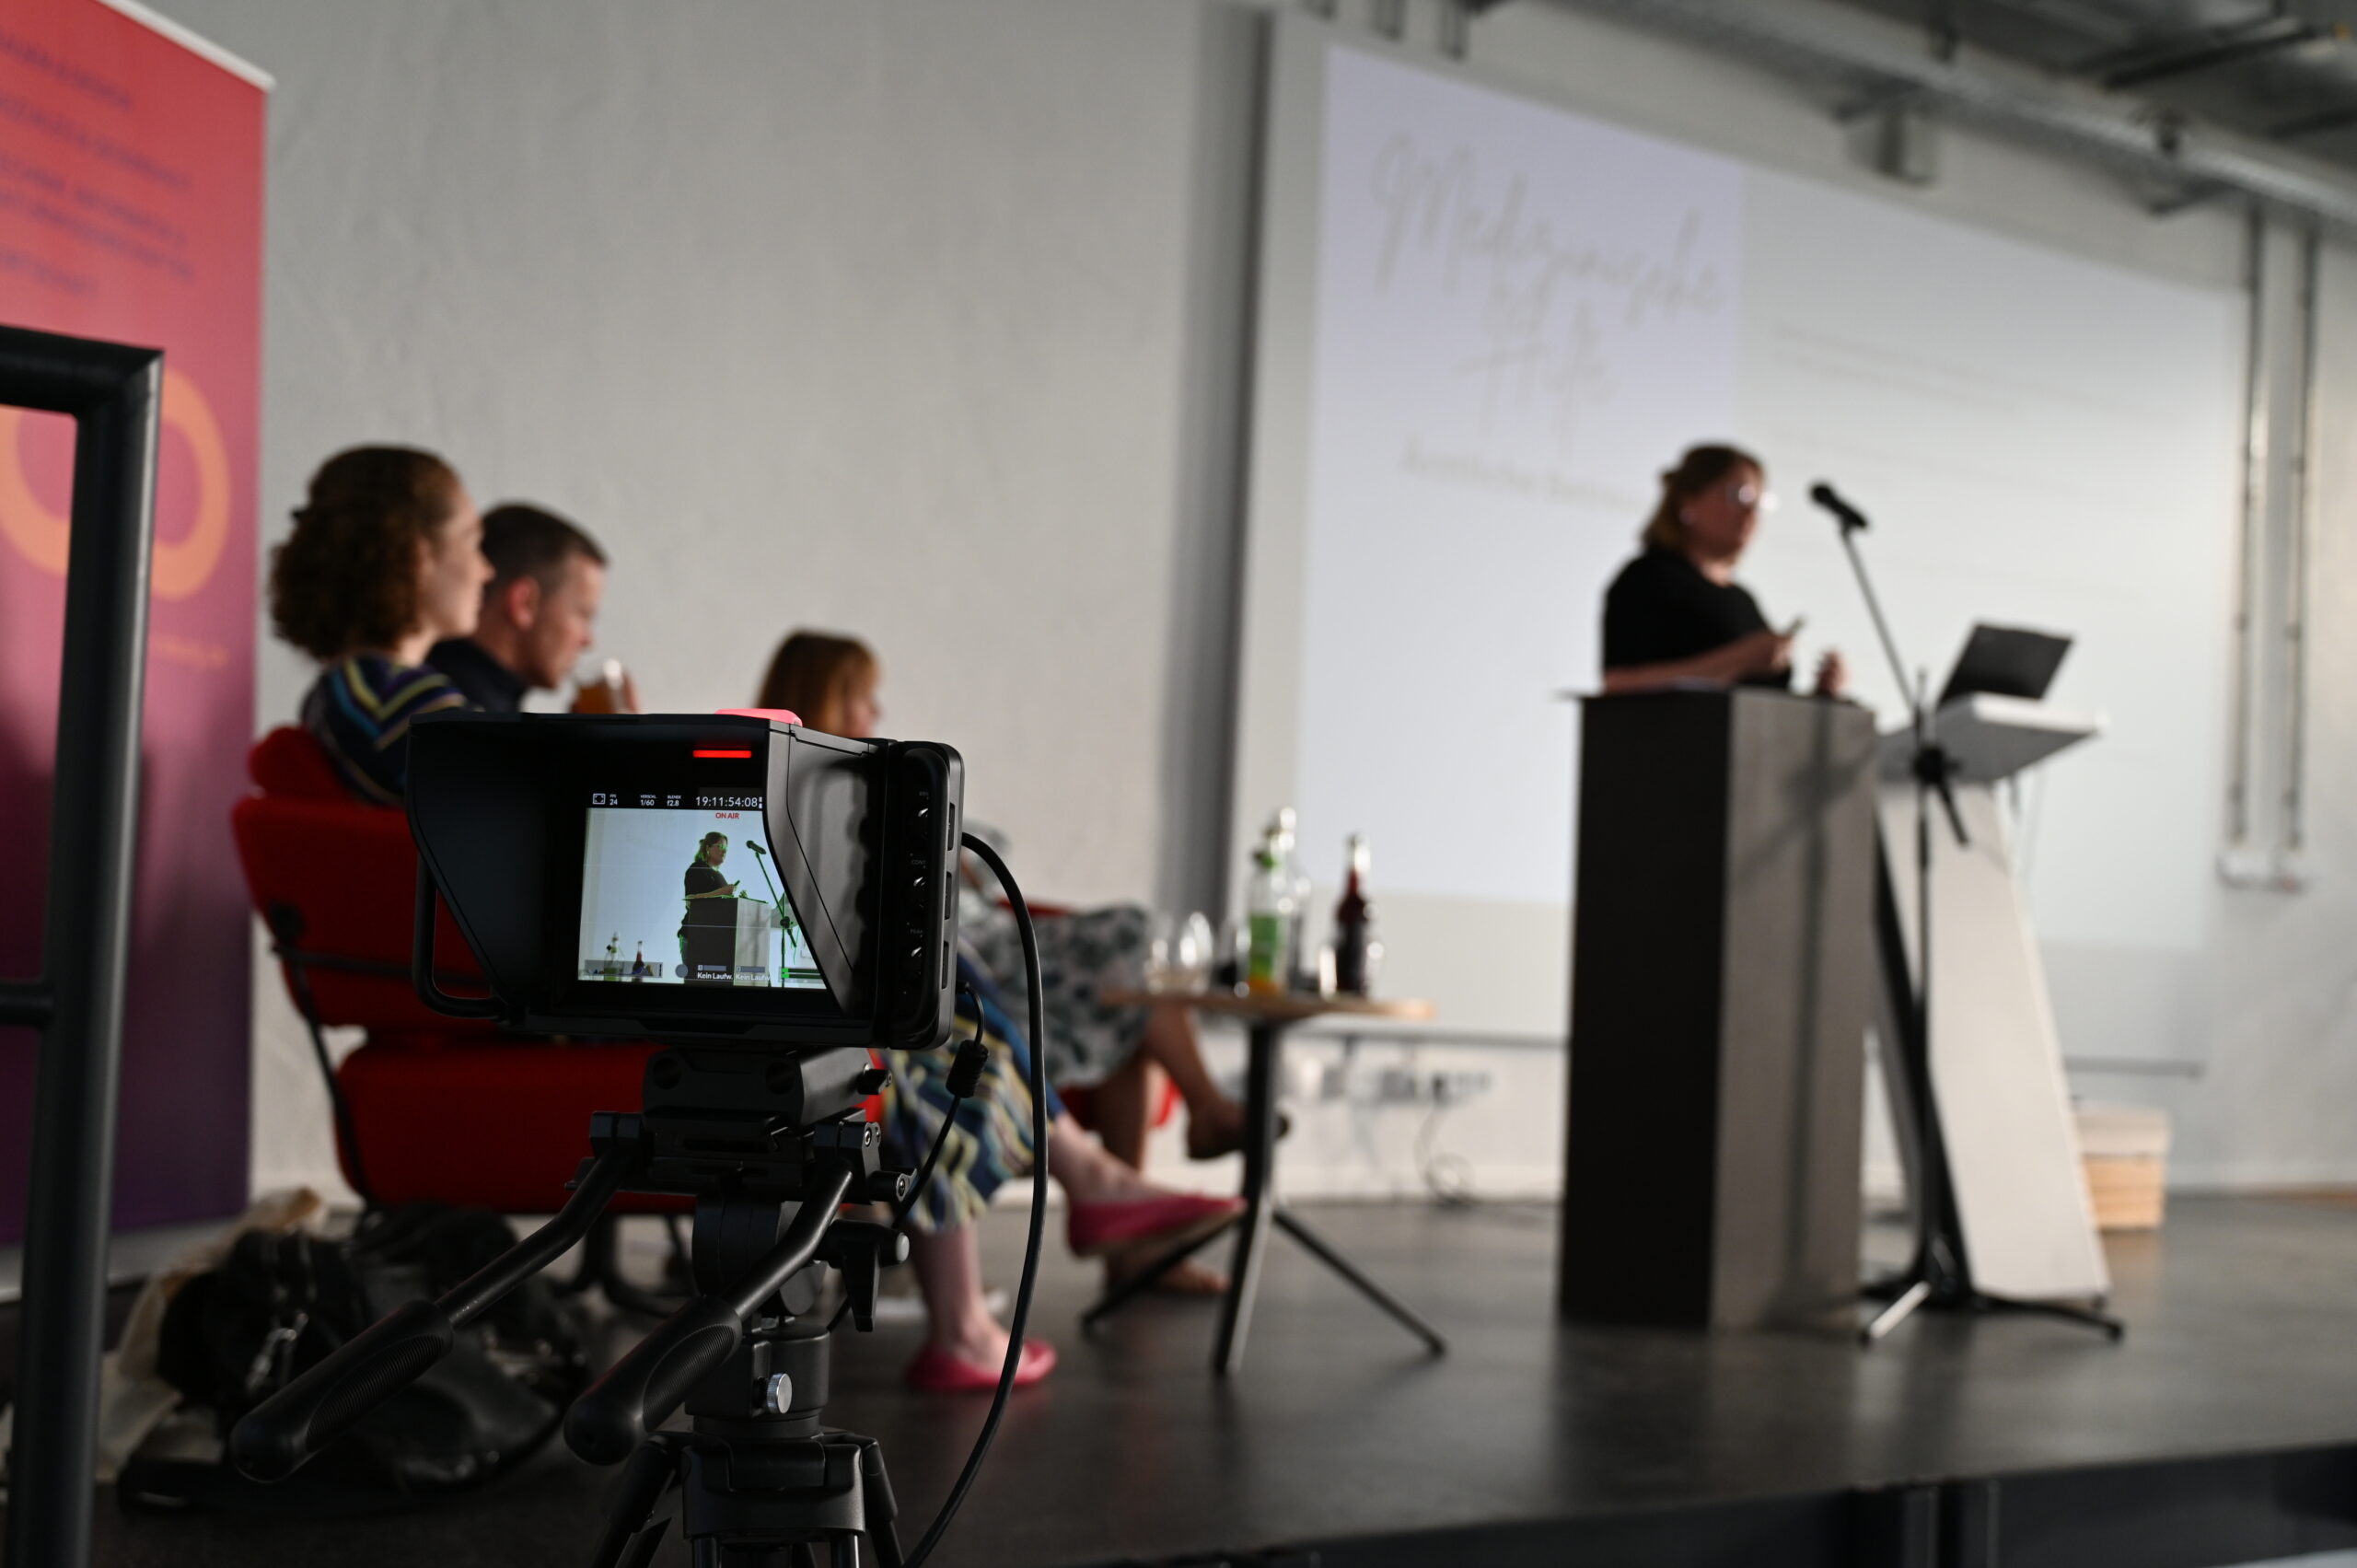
<point x="1529" y="1439"/>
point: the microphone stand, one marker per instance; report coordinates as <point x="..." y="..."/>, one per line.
<point x="777" y="901"/>
<point x="1939" y="1276"/>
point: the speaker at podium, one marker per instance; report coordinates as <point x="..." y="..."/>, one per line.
<point x="737" y="948"/>
<point x="1745" y="908"/>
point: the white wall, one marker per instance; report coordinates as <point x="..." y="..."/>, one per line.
<point x="930" y="309"/>
<point x="915" y="320"/>
<point x="2270" y="1008"/>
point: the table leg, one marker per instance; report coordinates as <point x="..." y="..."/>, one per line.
<point x="1267" y="1043"/>
<point x="1324" y="1252"/>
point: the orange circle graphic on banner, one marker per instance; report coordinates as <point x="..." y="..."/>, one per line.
<point x="39" y="534"/>
<point x="181" y="566"/>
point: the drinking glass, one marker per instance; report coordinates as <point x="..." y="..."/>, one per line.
<point x="1178" y="954"/>
<point x="603" y="695"/>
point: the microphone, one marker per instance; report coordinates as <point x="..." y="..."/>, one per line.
<point x="1849" y="516"/>
<point x="759" y="853"/>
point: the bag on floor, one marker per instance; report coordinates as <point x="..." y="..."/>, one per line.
<point x="281" y="1302"/>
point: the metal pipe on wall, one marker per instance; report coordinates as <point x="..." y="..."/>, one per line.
<point x="2302" y="553"/>
<point x="2266" y="791"/>
<point x="1456" y="29"/>
<point x="2256" y="367"/>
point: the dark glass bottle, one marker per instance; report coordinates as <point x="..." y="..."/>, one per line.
<point x="1355" y="926"/>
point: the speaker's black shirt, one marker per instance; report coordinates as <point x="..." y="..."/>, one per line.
<point x="704" y="878"/>
<point x="1661" y="608"/>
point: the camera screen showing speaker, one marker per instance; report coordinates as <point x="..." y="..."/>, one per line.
<point x="733" y="878"/>
<point x="678" y="890"/>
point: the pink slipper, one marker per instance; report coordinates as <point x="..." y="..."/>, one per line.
<point x="935" y="1371"/>
<point x="1170" y="1217"/>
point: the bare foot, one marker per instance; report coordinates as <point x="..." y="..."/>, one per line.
<point x="1089" y="1175"/>
<point x="978" y="1342"/>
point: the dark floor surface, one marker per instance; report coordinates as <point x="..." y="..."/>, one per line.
<point x="2239" y="1319"/>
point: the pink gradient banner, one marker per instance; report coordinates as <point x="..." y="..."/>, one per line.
<point x="131" y="208"/>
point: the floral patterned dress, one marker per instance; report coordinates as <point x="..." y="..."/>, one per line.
<point x="1081" y="954"/>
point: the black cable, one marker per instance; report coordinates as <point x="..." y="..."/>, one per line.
<point x="1452" y="1190"/>
<point x="1022" y="1314"/>
<point x="973" y="1058"/>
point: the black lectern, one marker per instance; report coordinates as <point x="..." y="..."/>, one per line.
<point x="1722" y="972"/>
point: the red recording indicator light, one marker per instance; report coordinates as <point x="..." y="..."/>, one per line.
<point x="748" y="755"/>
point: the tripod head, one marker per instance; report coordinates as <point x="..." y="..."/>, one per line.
<point x="769" y="1146"/>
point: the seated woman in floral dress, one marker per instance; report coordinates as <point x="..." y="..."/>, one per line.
<point x="1113" y="1211"/>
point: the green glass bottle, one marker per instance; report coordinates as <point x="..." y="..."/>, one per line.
<point x="1269" y="911"/>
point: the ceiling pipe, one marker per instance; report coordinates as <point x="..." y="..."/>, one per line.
<point x="2139" y="144"/>
<point x="2216" y="56"/>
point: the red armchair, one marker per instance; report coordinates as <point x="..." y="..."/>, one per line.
<point x="428" y="1109"/>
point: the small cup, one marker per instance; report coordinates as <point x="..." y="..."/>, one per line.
<point x="603" y="695"/>
<point x="1178" y="954"/>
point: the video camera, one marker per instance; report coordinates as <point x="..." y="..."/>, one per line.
<point x="770" y="904"/>
<point x="735" y="879"/>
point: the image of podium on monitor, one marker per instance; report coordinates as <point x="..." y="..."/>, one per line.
<point x="683" y="894"/>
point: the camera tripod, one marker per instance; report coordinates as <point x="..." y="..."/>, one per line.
<point x="770" y="1146"/>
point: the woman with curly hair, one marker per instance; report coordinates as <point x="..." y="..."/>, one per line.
<point x="385" y="561"/>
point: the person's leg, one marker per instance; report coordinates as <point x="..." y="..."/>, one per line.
<point x="949" y="1275"/>
<point x="1112" y="1203"/>
<point x="1124" y="1104"/>
<point x="1171" y="1041"/>
<point x="1214" y="1123"/>
<point x="965" y="1349"/>
<point x="1088" y="1171"/>
<point x="1096" y="1181"/>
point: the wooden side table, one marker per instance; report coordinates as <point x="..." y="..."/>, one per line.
<point x="1267" y="1018"/>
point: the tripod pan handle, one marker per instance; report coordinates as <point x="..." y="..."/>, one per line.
<point x="283" y="1431"/>
<point x="643" y="1388"/>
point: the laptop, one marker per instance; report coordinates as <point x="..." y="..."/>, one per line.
<point x="2005" y="661"/>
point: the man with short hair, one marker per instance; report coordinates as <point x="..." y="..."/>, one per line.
<point x="537" y="613"/>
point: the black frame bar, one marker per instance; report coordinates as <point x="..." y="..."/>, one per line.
<point x="114" y="394"/>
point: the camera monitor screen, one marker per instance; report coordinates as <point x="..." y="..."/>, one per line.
<point x="720" y="879"/>
<point x="682" y="890"/>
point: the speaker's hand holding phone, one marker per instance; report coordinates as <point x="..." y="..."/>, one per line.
<point x="1764" y="651"/>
